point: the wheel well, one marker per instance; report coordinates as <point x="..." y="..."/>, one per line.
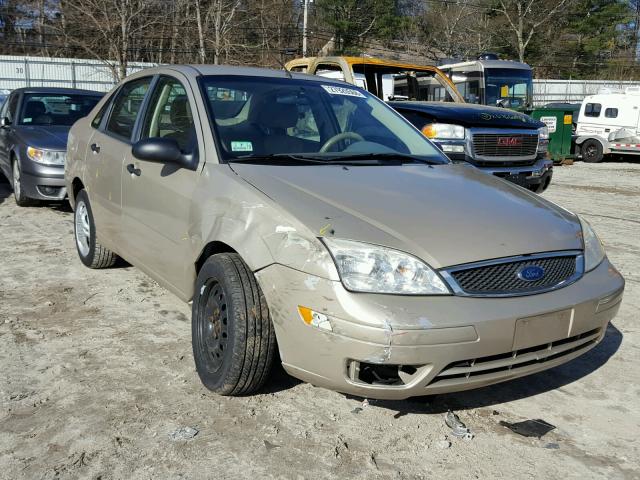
<point x="212" y="248"/>
<point x="77" y="186"/>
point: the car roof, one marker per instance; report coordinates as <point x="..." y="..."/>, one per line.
<point x="198" y="70"/>
<point x="56" y="90"/>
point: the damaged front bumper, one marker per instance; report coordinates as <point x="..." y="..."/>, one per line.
<point x="395" y="347"/>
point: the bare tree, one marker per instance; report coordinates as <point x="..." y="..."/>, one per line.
<point x="525" y="17"/>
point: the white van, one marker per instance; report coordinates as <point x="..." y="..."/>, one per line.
<point x="609" y="122"/>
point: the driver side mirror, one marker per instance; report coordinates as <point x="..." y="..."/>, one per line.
<point x="163" y="150"/>
<point x="4" y="122"/>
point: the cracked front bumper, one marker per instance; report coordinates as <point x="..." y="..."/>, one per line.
<point x="439" y="343"/>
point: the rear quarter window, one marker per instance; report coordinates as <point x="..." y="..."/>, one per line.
<point x="592" y="109"/>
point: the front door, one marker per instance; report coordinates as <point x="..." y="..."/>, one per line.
<point x="156" y="197"/>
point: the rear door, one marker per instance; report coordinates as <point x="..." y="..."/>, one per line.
<point x="8" y="111"/>
<point x="110" y="149"/>
<point x="156" y="198"/>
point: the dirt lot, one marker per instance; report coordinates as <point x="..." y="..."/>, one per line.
<point x="97" y="372"/>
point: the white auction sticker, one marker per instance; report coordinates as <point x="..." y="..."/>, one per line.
<point x="550" y="122"/>
<point x="333" y="90"/>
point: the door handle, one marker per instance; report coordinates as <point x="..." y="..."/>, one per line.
<point x="133" y="170"/>
<point x="95" y="148"/>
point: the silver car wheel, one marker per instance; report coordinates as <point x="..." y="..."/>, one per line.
<point x="83" y="229"/>
<point x="16" y="180"/>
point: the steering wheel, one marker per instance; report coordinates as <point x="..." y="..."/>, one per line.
<point x="338" y="138"/>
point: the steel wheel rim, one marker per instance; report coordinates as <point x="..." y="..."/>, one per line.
<point x="591" y="151"/>
<point x="212" y="327"/>
<point x="16" y="181"/>
<point x="83" y="229"/>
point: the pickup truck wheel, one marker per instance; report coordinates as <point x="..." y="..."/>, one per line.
<point x="592" y="151"/>
<point x="232" y="334"/>
<point x="18" y="191"/>
<point x="91" y="253"/>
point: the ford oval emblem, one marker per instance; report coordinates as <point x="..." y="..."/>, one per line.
<point x="531" y="273"/>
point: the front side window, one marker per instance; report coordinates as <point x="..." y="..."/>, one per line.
<point x="330" y="70"/>
<point x="55" y="109"/>
<point x="592" y="109"/>
<point x="263" y="117"/>
<point x="126" y="107"/>
<point x="169" y="115"/>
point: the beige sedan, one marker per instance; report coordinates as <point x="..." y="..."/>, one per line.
<point x="303" y="216"/>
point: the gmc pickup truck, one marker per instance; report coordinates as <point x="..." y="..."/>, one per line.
<point x="501" y="142"/>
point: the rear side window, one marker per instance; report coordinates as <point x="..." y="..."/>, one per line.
<point x="126" y="107"/>
<point x="95" y="123"/>
<point x="12" y="106"/>
<point x="592" y="110"/>
<point x="330" y="70"/>
<point x="611" y="113"/>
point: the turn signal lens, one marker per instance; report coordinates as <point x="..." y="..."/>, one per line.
<point x="429" y="130"/>
<point x="315" y="319"/>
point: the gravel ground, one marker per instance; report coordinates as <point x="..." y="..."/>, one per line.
<point x="97" y="374"/>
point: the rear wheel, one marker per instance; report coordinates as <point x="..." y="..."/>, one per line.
<point x="91" y="253"/>
<point x="592" y="151"/>
<point x="18" y="191"/>
<point x="232" y="334"/>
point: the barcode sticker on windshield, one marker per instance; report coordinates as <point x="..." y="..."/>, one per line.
<point x="241" y="147"/>
<point x="333" y="90"/>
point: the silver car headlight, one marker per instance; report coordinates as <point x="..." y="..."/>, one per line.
<point x="543" y="139"/>
<point x="47" y="157"/>
<point x="370" y="268"/>
<point x="593" y="249"/>
<point x="543" y="133"/>
<point x="444" y="131"/>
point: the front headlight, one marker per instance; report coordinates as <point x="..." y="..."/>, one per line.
<point x="374" y="269"/>
<point x="444" y="131"/>
<point x="543" y="133"/>
<point x="47" y="157"/>
<point x="593" y="249"/>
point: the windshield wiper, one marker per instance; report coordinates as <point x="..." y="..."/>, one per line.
<point x="278" y="158"/>
<point x="396" y="158"/>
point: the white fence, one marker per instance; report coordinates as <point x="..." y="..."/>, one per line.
<point x="572" y="91"/>
<point x="17" y="72"/>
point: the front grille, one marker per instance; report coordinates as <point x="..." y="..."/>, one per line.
<point x="505" y="163"/>
<point x="501" y="277"/>
<point x="485" y="368"/>
<point x="498" y="145"/>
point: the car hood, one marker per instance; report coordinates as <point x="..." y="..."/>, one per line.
<point x="443" y="214"/>
<point x="48" y="138"/>
<point x="470" y="115"/>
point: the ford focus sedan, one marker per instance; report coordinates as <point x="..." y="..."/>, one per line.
<point x="308" y="222"/>
<point x="34" y="123"/>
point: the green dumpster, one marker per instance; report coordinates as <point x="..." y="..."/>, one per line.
<point x="560" y="124"/>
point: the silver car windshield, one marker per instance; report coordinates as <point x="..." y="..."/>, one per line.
<point x="257" y="117"/>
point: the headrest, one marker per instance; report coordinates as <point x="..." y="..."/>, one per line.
<point x="272" y="113"/>
<point x="181" y="112"/>
<point x="34" y="108"/>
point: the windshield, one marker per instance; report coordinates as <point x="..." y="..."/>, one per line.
<point x="508" y="87"/>
<point x="258" y="117"/>
<point x="55" y="109"/>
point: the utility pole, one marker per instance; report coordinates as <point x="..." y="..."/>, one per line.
<point x="305" y="18"/>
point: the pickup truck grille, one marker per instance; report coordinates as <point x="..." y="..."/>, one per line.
<point x="501" y="145"/>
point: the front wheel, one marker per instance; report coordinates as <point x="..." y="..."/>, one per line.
<point x="592" y="151"/>
<point x="18" y="192"/>
<point x="91" y="253"/>
<point x="232" y="334"/>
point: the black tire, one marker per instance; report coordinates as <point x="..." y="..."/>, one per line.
<point x="232" y="334"/>
<point x="592" y="151"/>
<point x="16" y="183"/>
<point x="91" y="253"/>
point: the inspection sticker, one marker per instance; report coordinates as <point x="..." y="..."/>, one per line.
<point x="241" y="147"/>
<point x="333" y="90"/>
